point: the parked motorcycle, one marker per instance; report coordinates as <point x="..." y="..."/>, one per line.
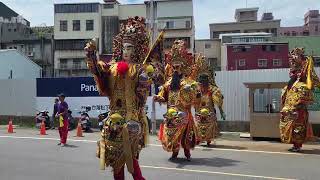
<point x="43" y="116"/>
<point x="101" y="119"/>
<point x="85" y="120"/>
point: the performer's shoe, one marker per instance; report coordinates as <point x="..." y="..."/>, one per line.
<point x="188" y="159"/>
<point x="63" y="145"/>
<point x="59" y="144"/>
<point x="294" y="149"/>
<point x="208" y="144"/>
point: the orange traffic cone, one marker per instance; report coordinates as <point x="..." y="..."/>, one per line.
<point x="10" y="127"/>
<point x="43" y="129"/>
<point x="79" y="130"/>
<point x="160" y="134"/>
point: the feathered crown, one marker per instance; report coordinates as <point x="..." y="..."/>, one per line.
<point x="133" y="32"/>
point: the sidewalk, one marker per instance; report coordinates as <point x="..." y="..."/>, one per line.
<point x="228" y="141"/>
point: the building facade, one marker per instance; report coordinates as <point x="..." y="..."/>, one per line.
<point x="211" y="49"/>
<point x="34" y="42"/>
<point x="246" y="21"/>
<point x="76" y="24"/>
<point x="311" y="26"/>
<point x="249" y="51"/>
<point x="175" y="17"/>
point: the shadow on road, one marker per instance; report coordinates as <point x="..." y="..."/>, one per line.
<point x="311" y="151"/>
<point x="70" y="146"/>
<point x="212" y="147"/>
<point x="212" y="162"/>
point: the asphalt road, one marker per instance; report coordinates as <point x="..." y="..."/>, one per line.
<point x="41" y="159"/>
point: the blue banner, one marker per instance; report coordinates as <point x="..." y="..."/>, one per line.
<point x="71" y="87"/>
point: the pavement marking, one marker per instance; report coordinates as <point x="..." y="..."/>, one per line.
<point x="215" y="172"/>
<point x="158" y="145"/>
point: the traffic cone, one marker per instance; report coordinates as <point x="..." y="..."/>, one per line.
<point x="43" y="129"/>
<point x="10" y="127"/>
<point x="79" y="130"/>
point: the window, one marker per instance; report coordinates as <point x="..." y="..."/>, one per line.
<point x="242" y="62"/>
<point x="188" y="24"/>
<point x="316" y="28"/>
<point x="15" y="30"/>
<point x="89" y="25"/>
<point x="170" y="24"/>
<point x="63" y="25"/>
<point x="270" y="48"/>
<point x="294" y="33"/>
<point x="262" y="63"/>
<point x="317" y="62"/>
<point x="63" y="63"/>
<point x="9" y="30"/>
<point x="207" y="46"/>
<point x="76" y="25"/>
<point x="241" y="48"/>
<point x="76" y="8"/>
<point x="108" y="6"/>
<point x="306" y="33"/>
<point x="76" y="63"/>
<point x="266" y="100"/>
<point x="277" y="62"/>
<point x="76" y="44"/>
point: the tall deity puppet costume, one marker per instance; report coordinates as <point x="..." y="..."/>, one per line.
<point x="211" y="96"/>
<point x="296" y="96"/>
<point x="126" y="82"/>
<point x="179" y="92"/>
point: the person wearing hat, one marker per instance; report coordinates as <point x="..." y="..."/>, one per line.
<point x="63" y="119"/>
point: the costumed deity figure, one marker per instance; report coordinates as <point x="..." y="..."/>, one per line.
<point x="179" y="93"/>
<point x="211" y="96"/>
<point x="126" y="81"/>
<point x="296" y="96"/>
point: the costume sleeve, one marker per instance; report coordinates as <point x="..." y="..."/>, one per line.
<point x="164" y="92"/>
<point x="217" y="96"/>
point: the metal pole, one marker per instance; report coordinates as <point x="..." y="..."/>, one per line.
<point x="153" y="108"/>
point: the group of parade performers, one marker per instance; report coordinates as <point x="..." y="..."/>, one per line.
<point x="186" y="82"/>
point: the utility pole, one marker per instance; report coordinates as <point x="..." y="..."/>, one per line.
<point x="152" y="28"/>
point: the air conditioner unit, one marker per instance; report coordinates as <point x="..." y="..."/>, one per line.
<point x="30" y="54"/>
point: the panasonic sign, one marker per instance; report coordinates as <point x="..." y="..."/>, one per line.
<point x="88" y="88"/>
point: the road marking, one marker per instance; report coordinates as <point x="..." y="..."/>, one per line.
<point x="158" y="145"/>
<point x="246" y="150"/>
<point x="215" y="172"/>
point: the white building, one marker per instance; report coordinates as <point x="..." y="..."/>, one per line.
<point x="76" y="24"/>
<point x="175" y="17"/>
<point x="211" y="49"/>
<point x="15" y="65"/>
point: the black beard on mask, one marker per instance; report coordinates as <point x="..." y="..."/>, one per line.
<point x="204" y="80"/>
<point x="175" y="83"/>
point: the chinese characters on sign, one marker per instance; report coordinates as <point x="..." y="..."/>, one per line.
<point x="316" y="105"/>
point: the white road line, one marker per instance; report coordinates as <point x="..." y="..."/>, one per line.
<point x="158" y="145"/>
<point x="215" y="172"/>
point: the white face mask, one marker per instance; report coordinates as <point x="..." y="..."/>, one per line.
<point x="127" y="51"/>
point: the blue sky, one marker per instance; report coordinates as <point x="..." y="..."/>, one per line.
<point x="291" y="12"/>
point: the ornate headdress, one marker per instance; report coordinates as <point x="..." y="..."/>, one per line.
<point x="179" y="55"/>
<point x="201" y="67"/>
<point x="297" y="62"/>
<point x="133" y="32"/>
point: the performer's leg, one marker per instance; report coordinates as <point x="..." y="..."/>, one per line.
<point x="60" y="134"/>
<point x="119" y="175"/>
<point x="137" y="175"/>
<point x="174" y="155"/>
<point x="64" y="132"/>
<point x="208" y="143"/>
<point x="187" y="153"/>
